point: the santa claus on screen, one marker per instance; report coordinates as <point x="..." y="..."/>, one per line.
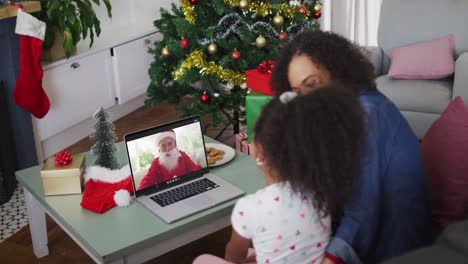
<point x="171" y="162"/>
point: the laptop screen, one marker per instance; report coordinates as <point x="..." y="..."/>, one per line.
<point x="164" y="155"/>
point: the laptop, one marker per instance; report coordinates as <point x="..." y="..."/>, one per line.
<point x="169" y="170"/>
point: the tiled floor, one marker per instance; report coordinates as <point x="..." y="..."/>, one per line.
<point x="13" y="215"/>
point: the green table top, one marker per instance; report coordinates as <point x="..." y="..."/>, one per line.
<point x="124" y="230"/>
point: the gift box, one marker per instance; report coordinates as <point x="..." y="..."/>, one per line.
<point x="66" y="179"/>
<point x="254" y="103"/>
<point x="242" y="144"/>
<point x="259" y="79"/>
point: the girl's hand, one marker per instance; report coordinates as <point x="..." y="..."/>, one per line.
<point x="237" y="248"/>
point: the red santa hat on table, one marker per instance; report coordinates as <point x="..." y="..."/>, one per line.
<point x="165" y="134"/>
<point x="106" y="188"/>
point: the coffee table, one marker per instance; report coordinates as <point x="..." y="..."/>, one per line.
<point x="128" y="234"/>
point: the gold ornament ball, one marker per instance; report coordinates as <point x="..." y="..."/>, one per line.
<point x="260" y="42"/>
<point x="243" y="4"/>
<point x="165" y="52"/>
<point x="317" y="7"/>
<point x="212" y="48"/>
<point x="278" y="20"/>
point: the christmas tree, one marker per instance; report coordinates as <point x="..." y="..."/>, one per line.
<point x="104" y="149"/>
<point x="208" y="45"/>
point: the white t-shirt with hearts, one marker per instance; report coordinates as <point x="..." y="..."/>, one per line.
<point x="284" y="226"/>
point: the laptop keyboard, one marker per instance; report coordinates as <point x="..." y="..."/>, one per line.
<point x="184" y="192"/>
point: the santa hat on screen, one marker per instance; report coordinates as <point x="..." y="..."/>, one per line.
<point x="165" y="134"/>
<point x="106" y="188"/>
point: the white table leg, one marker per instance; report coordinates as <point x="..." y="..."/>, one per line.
<point x="37" y="225"/>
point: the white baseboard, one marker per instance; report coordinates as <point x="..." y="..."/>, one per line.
<point x="70" y="136"/>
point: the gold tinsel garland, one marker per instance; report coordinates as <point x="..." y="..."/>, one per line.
<point x="189" y="11"/>
<point x="195" y="60"/>
<point x="264" y="9"/>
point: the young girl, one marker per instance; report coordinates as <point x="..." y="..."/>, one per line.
<point x="289" y="221"/>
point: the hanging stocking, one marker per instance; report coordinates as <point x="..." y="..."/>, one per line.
<point x="28" y="92"/>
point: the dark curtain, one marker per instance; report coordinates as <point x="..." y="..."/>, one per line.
<point x="7" y="150"/>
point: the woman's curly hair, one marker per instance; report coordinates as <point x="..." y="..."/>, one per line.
<point x="314" y="143"/>
<point x="344" y="61"/>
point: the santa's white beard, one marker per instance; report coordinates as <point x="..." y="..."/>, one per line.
<point x="170" y="159"/>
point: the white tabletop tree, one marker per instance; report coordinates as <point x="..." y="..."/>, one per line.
<point x="104" y="150"/>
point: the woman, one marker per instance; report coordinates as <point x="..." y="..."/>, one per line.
<point x="388" y="213"/>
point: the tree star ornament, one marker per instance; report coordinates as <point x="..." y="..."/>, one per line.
<point x="204" y="98"/>
<point x="260" y="42"/>
<point x="244" y="4"/>
<point x="235" y="55"/>
<point x="184" y="43"/>
<point x="165" y="52"/>
<point x="193" y="2"/>
<point x="212" y="48"/>
<point x="278" y="20"/>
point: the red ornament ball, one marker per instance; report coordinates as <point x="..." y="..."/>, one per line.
<point x="184" y="43"/>
<point x="193" y="2"/>
<point x="63" y="158"/>
<point x="235" y="55"/>
<point x="283" y="35"/>
<point x="317" y="15"/>
<point x="302" y="10"/>
<point x="204" y="98"/>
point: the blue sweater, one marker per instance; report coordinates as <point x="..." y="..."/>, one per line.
<point x="389" y="212"/>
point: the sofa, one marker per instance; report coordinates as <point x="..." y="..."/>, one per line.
<point x="405" y="22"/>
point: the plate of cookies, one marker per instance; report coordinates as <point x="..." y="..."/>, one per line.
<point x="218" y="154"/>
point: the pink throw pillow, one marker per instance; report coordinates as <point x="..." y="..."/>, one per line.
<point x="426" y="60"/>
<point x="445" y="156"/>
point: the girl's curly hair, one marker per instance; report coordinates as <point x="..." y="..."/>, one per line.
<point x="314" y="143"/>
<point x="344" y="61"/>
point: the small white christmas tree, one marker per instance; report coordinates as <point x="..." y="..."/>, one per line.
<point x="104" y="149"/>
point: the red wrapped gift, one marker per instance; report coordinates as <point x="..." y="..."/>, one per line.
<point x="242" y="144"/>
<point x="259" y="79"/>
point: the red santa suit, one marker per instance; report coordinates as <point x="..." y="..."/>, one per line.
<point x="158" y="173"/>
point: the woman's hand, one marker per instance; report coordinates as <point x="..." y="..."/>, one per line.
<point x="327" y="261"/>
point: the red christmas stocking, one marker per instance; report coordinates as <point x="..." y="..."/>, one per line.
<point x="28" y="92"/>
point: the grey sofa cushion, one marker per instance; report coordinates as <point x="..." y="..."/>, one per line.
<point x="428" y="96"/>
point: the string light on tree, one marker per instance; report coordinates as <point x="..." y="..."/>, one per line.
<point x="193" y="2"/>
<point x="204" y="98"/>
<point x="260" y="42"/>
<point x="278" y="20"/>
<point x="165" y="52"/>
<point x="212" y="48"/>
<point x="184" y="43"/>
<point x="235" y="55"/>
<point x="244" y="4"/>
